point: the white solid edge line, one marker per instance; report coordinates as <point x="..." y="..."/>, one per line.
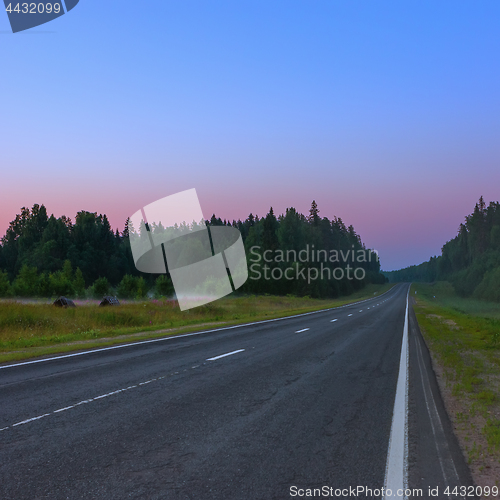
<point x="162" y="339"/>
<point x="303" y="330"/>
<point x="396" y="470"/>
<point x="224" y="355"/>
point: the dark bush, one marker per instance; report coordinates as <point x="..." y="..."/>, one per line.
<point x="101" y="287"/>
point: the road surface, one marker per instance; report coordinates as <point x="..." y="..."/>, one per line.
<point x="271" y="410"/>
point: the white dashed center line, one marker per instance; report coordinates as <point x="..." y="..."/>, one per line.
<point x="224" y="355"/>
<point x="63" y="409"/>
<point x="31" y="420"/>
<point x="102" y="396"/>
<point x="81" y="403"/>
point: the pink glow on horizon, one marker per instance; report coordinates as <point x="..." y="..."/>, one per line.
<point x="406" y="228"/>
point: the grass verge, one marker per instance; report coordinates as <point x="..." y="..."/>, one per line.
<point x="463" y="336"/>
<point x="30" y="330"/>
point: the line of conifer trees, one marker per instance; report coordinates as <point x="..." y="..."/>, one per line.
<point x="470" y="261"/>
<point x="42" y="255"/>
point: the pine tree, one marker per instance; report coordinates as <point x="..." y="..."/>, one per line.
<point x="270" y="230"/>
<point x="314" y="214"/>
<point x="126" y="228"/>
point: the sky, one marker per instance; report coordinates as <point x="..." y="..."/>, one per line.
<point x="386" y="113"/>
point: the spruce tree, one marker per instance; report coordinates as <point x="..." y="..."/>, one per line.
<point x="314" y="214"/>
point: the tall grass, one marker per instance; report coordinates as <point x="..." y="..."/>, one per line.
<point x="25" y="325"/>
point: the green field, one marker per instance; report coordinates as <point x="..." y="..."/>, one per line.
<point x="464" y="338"/>
<point x="35" y="329"/>
<point x="446" y="297"/>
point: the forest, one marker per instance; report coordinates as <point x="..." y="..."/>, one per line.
<point x="45" y="256"/>
<point x="470" y="261"/>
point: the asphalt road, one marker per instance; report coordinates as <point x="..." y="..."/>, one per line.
<point x="301" y="403"/>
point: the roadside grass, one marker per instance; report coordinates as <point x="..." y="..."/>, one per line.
<point x="463" y="336"/>
<point x="447" y="298"/>
<point x="35" y="329"/>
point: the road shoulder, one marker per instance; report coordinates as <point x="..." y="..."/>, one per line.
<point x="436" y="458"/>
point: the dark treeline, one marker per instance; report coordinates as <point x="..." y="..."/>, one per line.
<point x="42" y="255"/>
<point x="470" y="261"/>
<point x="36" y="240"/>
<point x="284" y="237"/>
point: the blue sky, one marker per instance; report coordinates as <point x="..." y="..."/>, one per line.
<point x="386" y="113"/>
